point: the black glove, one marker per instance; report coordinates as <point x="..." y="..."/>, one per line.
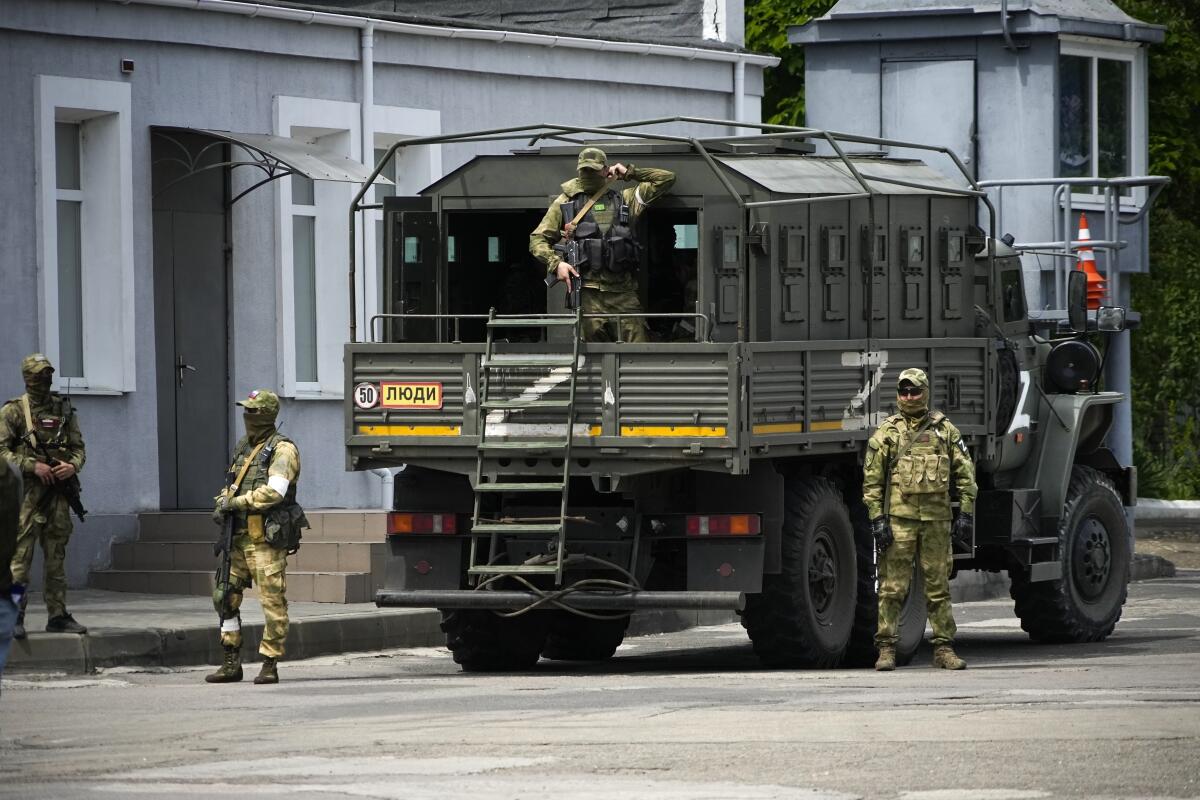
<point x="962" y="532"/>
<point x="881" y="530"/>
<point x="221" y="510"/>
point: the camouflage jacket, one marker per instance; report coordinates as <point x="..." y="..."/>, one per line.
<point x="652" y="184"/>
<point x="920" y="480"/>
<point x="278" y="461"/>
<point x="56" y="427"/>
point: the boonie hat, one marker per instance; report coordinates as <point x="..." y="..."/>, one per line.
<point x="592" y="158"/>
<point x="262" y="399"/>
<point x="35" y="363"/>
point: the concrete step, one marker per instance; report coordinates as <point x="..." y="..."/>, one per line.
<point x="302" y="586"/>
<point x="315" y="556"/>
<point x="327" y="525"/>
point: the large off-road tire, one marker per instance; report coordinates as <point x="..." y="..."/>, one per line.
<point x="576" y="638"/>
<point x="481" y="641"/>
<point x="1085" y="603"/>
<point x="803" y="616"/>
<point x="861" y="651"/>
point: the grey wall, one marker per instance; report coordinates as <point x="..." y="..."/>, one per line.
<point x="219" y="71"/>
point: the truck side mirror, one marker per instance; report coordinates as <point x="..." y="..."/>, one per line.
<point x="1077" y="301"/>
<point x="1110" y="319"/>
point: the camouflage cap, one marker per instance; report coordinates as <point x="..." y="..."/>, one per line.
<point x="592" y="158"/>
<point x="35" y="363"/>
<point x="916" y="377"/>
<point x="262" y="399"/>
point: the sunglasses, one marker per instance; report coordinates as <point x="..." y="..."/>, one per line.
<point x="910" y="391"/>
<point x="252" y="411"/>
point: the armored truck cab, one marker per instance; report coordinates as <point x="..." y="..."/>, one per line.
<point x="551" y="487"/>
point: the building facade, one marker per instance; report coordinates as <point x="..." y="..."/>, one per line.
<point x="177" y="181"/>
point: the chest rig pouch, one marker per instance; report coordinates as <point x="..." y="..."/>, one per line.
<point x="617" y="251"/>
<point x="925" y="466"/>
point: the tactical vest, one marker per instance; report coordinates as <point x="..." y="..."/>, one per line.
<point x="925" y="466"/>
<point x="617" y="250"/>
<point x="49" y="426"/>
<point x="283" y="522"/>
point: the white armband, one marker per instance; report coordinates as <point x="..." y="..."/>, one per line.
<point x="279" y="483"/>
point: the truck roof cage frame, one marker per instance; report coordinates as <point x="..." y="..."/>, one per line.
<point x="767" y="132"/>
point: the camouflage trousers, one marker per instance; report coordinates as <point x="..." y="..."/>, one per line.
<point x="930" y="542"/>
<point x="600" y="301"/>
<point x="50" y="527"/>
<point x="266" y="567"/>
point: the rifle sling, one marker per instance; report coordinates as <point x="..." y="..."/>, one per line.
<point x="30" y="433"/>
<point x="570" y="226"/>
<point x="233" y="487"/>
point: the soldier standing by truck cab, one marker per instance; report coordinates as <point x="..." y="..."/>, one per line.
<point x="909" y="464"/>
<point x="39" y="435"/>
<point x="267" y="466"/>
<point x="606" y="238"/>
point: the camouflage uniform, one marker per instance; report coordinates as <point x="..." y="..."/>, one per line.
<point x="919" y="511"/>
<point x="270" y="480"/>
<point x="604" y="292"/>
<point x="45" y="517"/>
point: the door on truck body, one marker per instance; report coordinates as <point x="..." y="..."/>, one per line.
<point x="410" y="263"/>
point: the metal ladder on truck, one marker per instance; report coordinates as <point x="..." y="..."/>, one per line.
<point x="491" y="449"/>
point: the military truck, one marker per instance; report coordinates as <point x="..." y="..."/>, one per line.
<point x="551" y="487"/>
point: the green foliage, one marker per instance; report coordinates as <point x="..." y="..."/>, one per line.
<point x="767" y="22"/>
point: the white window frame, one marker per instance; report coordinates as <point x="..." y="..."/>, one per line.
<point x="107" y="269"/>
<point x="418" y="167"/>
<point x="1134" y="55"/>
<point x="335" y="125"/>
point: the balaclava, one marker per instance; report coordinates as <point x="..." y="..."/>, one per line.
<point x="38" y="374"/>
<point x="591" y="167"/>
<point x="913" y="407"/>
<point x="262" y="409"/>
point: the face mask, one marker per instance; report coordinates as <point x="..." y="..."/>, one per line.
<point x="258" y="425"/>
<point x="591" y="180"/>
<point x="912" y="406"/>
<point x="38" y="386"/>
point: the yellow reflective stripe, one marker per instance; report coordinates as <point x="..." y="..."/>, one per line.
<point x="410" y="430"/>
<point x="594" y="430"/>
<point x="779" y="427"/>
<point x="672" y="430"/>
<point x="833" y="425"/>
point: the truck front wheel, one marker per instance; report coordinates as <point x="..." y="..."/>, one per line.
<point x="803" y="615"/>
<point x="482" y="641"/>
<point x="1084" y="604"/>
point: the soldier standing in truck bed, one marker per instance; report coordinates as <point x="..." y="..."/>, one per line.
<point x="910" y="461"/>
<point x="605" y="234"/>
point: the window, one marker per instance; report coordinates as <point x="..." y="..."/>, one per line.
<point x="1101" y="123"/>
<point x="86" y="232"/>
<point x="304" y="276"/>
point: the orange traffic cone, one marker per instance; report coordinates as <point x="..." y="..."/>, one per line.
<point x="1096" y="285"/>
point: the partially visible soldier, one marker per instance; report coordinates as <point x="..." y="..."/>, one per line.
<point x="11" y="594"/>
<point x="262" y="510"/>
<point x="910" y="462"/>
<point x="41" y="419"/>
<point x="606" y="236"/>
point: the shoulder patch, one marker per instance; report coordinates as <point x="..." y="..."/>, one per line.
<point x="963" y="447"/>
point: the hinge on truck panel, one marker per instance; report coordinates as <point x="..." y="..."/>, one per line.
<point x="759" y="238"/>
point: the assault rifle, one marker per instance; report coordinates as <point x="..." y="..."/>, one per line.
<point x="223" y="549"/>
<point x="70" y="488"/>
<point x="572" y="254"/>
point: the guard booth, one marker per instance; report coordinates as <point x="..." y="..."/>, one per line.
<point x="1044" y="100"/>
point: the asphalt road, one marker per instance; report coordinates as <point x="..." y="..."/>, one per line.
<point x="684" y="716"/>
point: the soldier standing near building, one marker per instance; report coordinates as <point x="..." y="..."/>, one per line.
<point x="268" y="465"/>
<point x="605" y="236"/>
<point x="910" y="463"/>
<point x="39" y="429"/>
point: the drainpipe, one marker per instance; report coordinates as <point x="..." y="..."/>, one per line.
<point x="739" y="93"/>
<point x="387" y="487"/>
<point x="366" y="104"/>
<point x="1008" y="42"/>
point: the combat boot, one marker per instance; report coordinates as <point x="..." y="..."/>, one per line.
<point x="64" y="623"/>
<point x="887" y="659"/>
<point x="269" y="672"/>
<point x="230" y="670"/>
<point x="945" y="657"/>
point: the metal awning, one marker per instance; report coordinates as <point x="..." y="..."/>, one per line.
<point x="274" y="156"/>
<point x="821" y="176"/>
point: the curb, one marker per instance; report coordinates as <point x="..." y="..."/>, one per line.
<point x="1146" y="567"/>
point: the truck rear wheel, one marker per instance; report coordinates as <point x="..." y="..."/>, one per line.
<point x="481" y="641"/>
<point x="803" y="615"/>
<point x="861" y="651"/>
<point x="1085" y="603"/>
<point x="576" y="638"/>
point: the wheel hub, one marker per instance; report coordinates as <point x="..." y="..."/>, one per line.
<point x="822" y="573"/>
<point x="1093" y="558"/>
